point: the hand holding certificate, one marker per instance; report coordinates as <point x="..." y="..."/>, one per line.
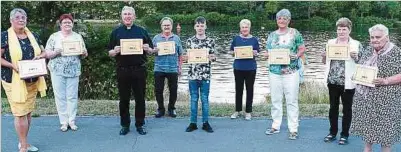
<point x="131" y="46"/>
<point x="338" y="51"/>
<point x="198" y="56"/>
<point x="279" y="56"/>
<point x="32" y="68"/>
<point x="364" y="75"/>
<point x="72" y="48"/>
<point x="166" y="48"/>
<point x="243" y="52"/>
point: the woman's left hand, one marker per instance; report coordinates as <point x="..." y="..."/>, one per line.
<point x="212" y="57"/>
<point x="293" y="56"/>
<point x="255" y="53"/>
<point x="85" y="54"/>
<point x="39" y="57"/>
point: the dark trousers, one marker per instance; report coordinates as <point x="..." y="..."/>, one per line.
<point x="132" y="79"/>
<point x="172" y="79"/>
<point x="248" y="77"/>
<point x="335" y="93"/>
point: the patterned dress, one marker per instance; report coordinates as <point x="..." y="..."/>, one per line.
<point x="376" y="112"/>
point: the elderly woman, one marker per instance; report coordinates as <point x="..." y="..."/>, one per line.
<point x="166" y="66"/>
<point x="284" y="79"/>
<point x="19" y="43"/>
<point x="338" y="76"/>
<point x="376" y="114"/>
<point x="244" y="69"/>
<point x="64" y="71"/>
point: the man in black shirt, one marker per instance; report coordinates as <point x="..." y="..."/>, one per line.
<point x="131" y="70"/>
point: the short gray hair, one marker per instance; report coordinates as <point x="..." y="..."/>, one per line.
<point x="283" y="13"/>
<point x="245" y="21"/>
<point x="166" y="18"/>
<point x="128" y="8"/>
<point x="379" y="27"/>
<point x="15" y="11"/>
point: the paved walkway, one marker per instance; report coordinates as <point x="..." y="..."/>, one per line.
<point x="100" y="134"/>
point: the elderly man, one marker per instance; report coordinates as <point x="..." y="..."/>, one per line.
<point x="376" y="114"/>
<point x="166" y="66"/>
<point x="131" y="70"/>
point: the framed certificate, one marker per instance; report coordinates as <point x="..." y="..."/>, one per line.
<point x="243" y="52"/>
<point x="338" y="52"/>
<point x="198" y="56"/>
<point x="166" y="48"/>
<point x="32" y="68"/>
<point x="131" y="46"/>
<point x="364" y="75"/>
<point x="279" y="56"/>
<point x="72" y="48"/>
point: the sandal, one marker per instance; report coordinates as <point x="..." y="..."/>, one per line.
<point x="329" y="138"/>
<point x="343" y="141"/>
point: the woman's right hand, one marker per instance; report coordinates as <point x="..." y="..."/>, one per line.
<point x="265" y="54"/>
<point x="15" y="68"/>
<point x="232" y="53"/>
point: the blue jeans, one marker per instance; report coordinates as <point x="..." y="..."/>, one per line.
<point x="194" y="87"/>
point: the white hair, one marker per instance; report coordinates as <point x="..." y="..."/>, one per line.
<point x="379" y="27"/>
<point x="245" y="21"/>
<point x="15" y="11"/>
<point x="166" y="18"/>
<point x="128" y="8"/>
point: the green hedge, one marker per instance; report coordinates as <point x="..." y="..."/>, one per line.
<point x="312" y="24"/>
<point x="213" y="18"/>
<point x="98" y="79"/>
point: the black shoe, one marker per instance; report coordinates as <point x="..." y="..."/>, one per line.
<point x="329" y="138"/>
<point x="124" y="130"/>
<point x="172" y="113"/>
<point x="343" y="140"/>
<point x="207" y="127"/>
<point x="159" y="113"/>
<point x="191" y="127"/>
<point x="141" y="130"/>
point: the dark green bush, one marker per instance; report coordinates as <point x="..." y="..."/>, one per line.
<point x="98" y="79"/>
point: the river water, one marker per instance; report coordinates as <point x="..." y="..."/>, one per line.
<point x="222" y="88"/>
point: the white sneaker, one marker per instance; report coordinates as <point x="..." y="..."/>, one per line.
<point x="30" y="148"/>
<point x="235" y="115"/>
<point x="64" y="127"/>
<point x="248" y="116"/>
<point x="272" y="131"/>
<point x="73" y="127"/>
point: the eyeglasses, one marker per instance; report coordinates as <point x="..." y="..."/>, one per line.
<point x="20" y="18"/>
<point x="66" y="23"/>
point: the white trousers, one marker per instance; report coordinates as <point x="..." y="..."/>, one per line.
<point x="66" y="95"/>
<point x="289" y="86"/>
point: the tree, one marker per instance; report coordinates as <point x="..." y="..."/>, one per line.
<point x="394" y="9"/>
<point x="364" y="8"/>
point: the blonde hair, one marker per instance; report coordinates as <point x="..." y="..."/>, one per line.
<point x="245" y="21"/>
